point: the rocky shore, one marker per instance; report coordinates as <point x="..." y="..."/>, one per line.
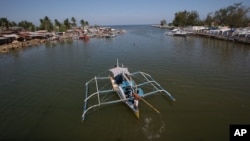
<point x="15" y="45"/>
<point x="11" y="42"/>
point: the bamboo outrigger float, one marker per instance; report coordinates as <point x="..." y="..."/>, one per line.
<point x="124" y="84"/>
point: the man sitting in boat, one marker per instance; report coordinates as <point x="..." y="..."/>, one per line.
<point x="136" y="99"/>
<point x="128" y="91"/>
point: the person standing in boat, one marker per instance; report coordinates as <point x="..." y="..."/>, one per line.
<point x="136" y="99"/>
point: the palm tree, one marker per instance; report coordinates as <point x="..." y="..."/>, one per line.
<point x="73" y="21"/>
<point x="66" y="24"/>
<point x="57" y="24"/>
<point x="4" y="23"/>
<point x="13" y="23"/>
<point x="27" y="25"/>
<point x="82" y="22"/>
<point x="86" y="23"/>
<point x="46" y="24"/>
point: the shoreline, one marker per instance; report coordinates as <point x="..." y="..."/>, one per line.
<point x="15" y="45"/>
<point x="72" y="35"/>
<point x="12" y="43"/>
<point x="237" y="39"/>
<point x="228" y="35"/>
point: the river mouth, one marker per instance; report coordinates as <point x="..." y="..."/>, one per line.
<point x="42" y="88"/>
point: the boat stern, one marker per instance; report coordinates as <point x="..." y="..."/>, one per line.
<point x="137" y="114"/>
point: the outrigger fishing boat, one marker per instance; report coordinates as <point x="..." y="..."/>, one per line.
<point x="129" y="87"/>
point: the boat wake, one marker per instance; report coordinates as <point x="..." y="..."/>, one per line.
<point x="152" y="129"/>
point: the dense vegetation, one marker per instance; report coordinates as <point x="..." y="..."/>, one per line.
<point x="235" y="15"/>
<point x="45" y="24"/>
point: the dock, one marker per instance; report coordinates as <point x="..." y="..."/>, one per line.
<point x="240" y="39"/>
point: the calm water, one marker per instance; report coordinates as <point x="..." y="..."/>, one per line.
<point x="42" y="89"/>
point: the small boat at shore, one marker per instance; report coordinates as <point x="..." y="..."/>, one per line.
<point x="121" y="86"/>
<point x="176" y="32"/>
<point x="84" y="37"/>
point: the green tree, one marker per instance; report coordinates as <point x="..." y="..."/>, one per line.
<point x="58" y="25"/>
<point x="180" y="18"/>
<point x="66" y="24"/>
<point x="163" y="22"/>
<point x="192" y="18"/>
<point x="4" y="23"/>
<point x="185" y="18"/>
<point x="84" y="23"/>
<point x="46" y="24"/>
<point x="13" y="23"/>
<point x="27" y="25"/>
<point x="73" y="20"/>
<point x="87" y="23"/>
<point x="235" y="15"/>
<point x="209" y="19"/>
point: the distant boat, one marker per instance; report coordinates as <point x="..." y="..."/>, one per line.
<point x="84" y="37"/>
<point x="176" y="32"/>
<point x="109" y="35"/>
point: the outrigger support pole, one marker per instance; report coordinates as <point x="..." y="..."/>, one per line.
<point x="156" y="85"/>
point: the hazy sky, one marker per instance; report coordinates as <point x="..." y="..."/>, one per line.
<point x="108" y="12"/>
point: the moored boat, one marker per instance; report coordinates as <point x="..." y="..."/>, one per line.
<point x="84" y="37"/>
<point x="176" y="32"/>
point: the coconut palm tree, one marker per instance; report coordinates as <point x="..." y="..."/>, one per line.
<point x="84" y="23"/>
<point x="13" y="23"/>
<point x="27" y="25"/>
<point x="57" y="25"/>
<point x="4" y="23"/>
<point x="66" y="24"/>
<point x="73" y="20"/>
<point x="46" y="24"/>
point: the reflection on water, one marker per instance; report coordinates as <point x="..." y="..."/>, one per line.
<point x="56" y="43"/>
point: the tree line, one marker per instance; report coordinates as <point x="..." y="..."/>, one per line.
<point x="45" y="24"/>
<point x="235" y="15"/>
